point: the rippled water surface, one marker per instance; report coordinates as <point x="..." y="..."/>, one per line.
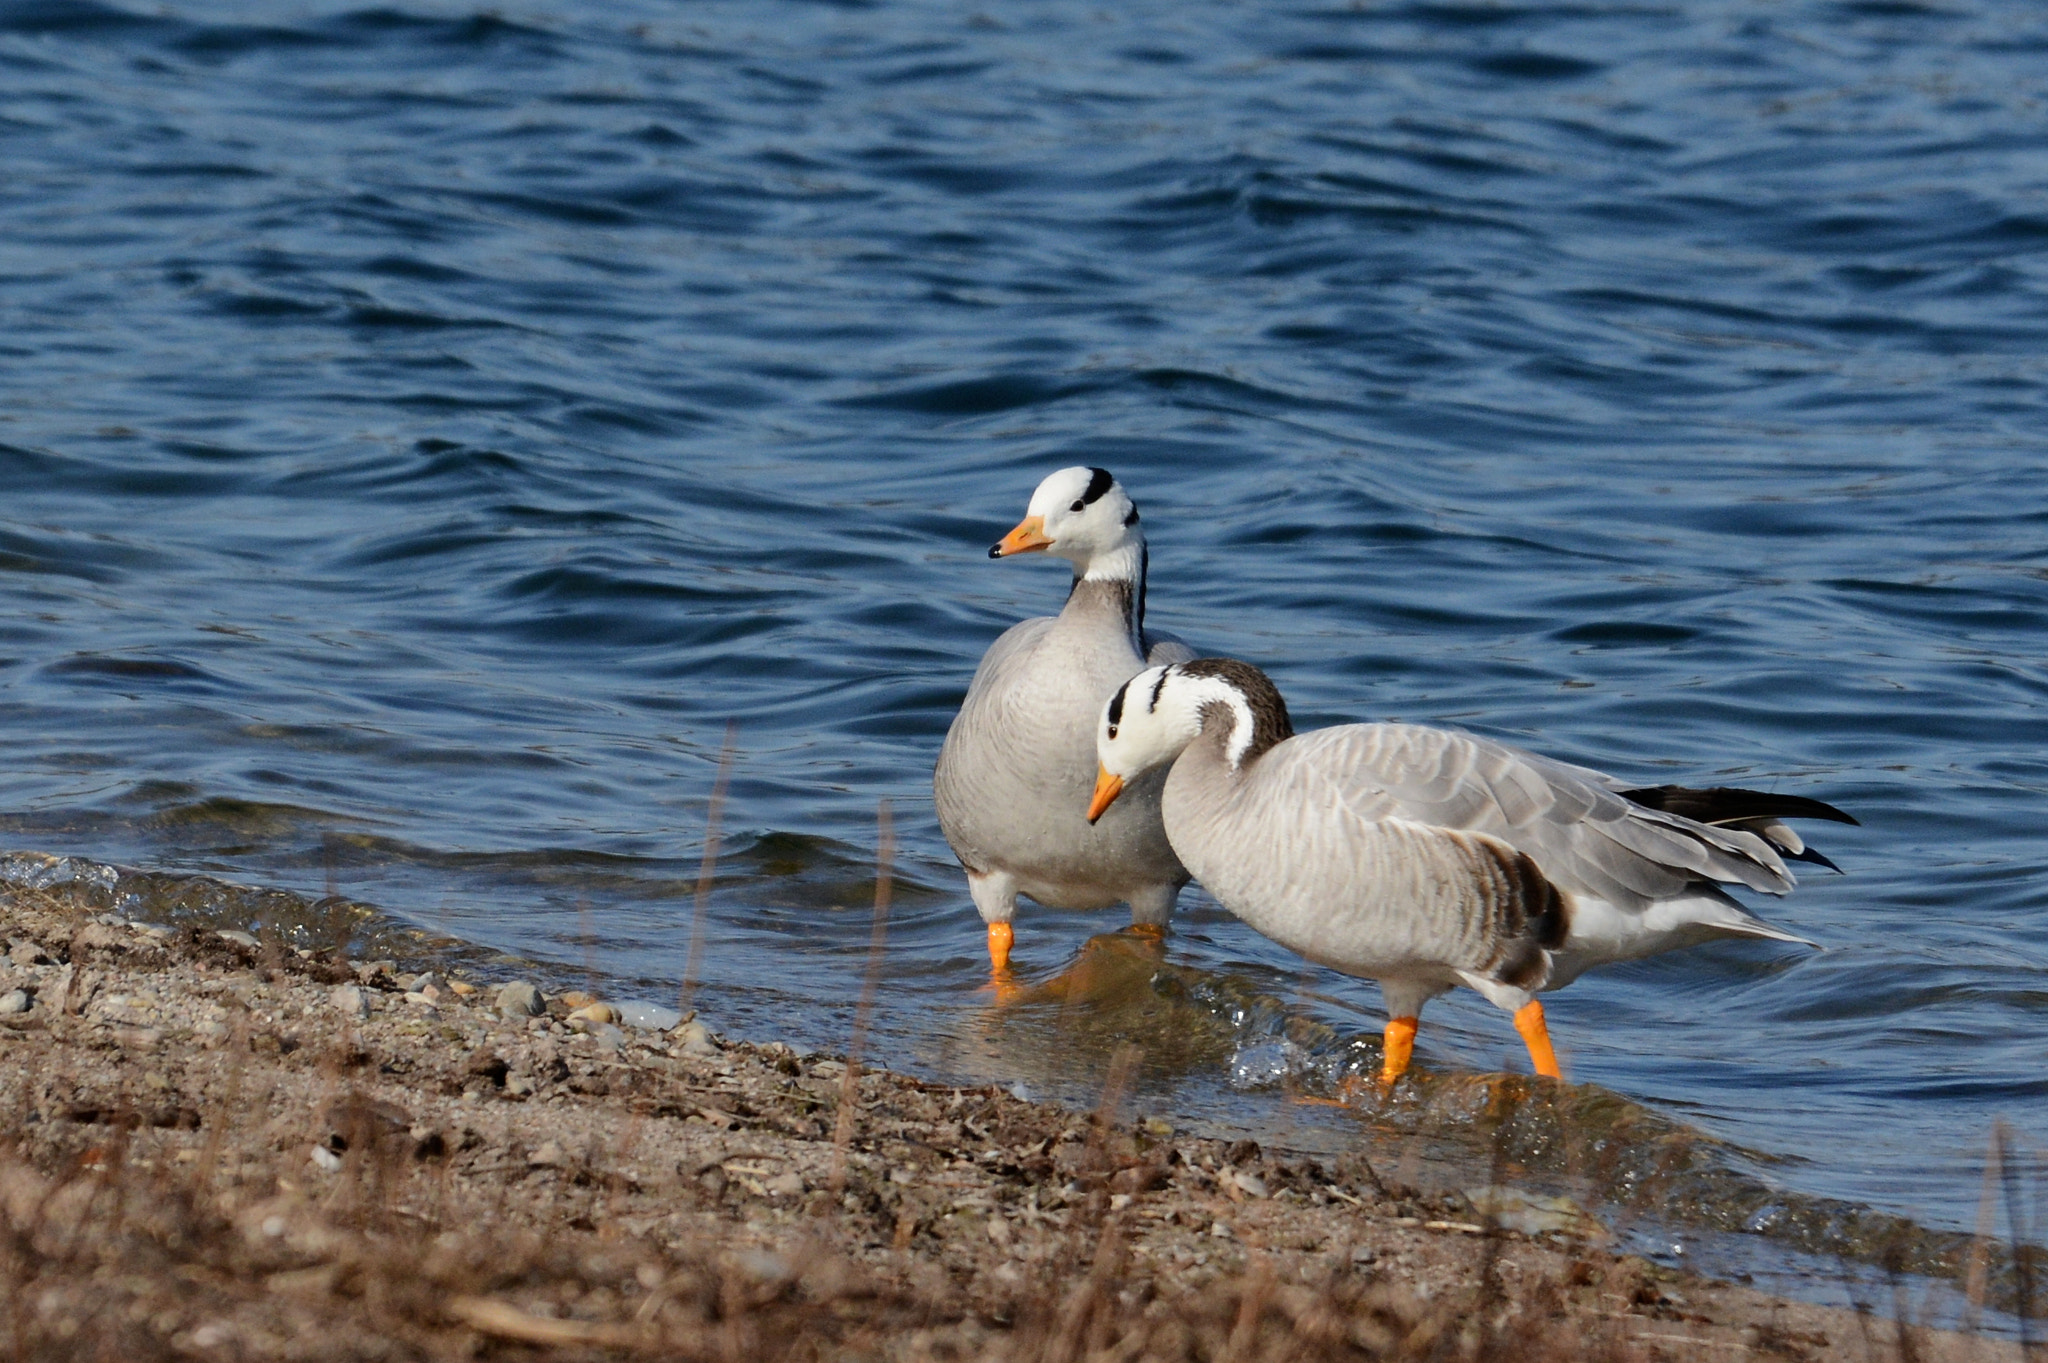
<point x="423" y="427"/>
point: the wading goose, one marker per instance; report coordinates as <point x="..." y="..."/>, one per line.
<point x="1013" y="777"/>
<point x="1425" y="858"/>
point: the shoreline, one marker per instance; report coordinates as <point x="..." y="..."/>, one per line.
<point x="236" y="1150"/>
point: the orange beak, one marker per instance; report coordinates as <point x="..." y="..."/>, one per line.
<point x="1107" y="788"/>
<point x="1028" y="537"/>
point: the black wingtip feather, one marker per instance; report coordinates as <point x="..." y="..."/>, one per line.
<point x="1721" y="804"/>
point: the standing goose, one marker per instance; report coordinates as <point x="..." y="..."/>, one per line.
<point x="1424" y="858"/>
<point x="1013" y="776"/>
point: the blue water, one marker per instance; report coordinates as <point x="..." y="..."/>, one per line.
<point x="422" y="428"/>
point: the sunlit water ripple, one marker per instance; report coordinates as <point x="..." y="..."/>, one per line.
<point x="424" y="427"/>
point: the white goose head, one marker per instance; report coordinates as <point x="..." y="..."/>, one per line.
<point x="1155" y="715"/>
<point x="1082" y="515"/>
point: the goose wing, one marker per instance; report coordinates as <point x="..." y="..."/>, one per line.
<point x="1754" y="811"/>
<point x="1584" y="835"/>
<point x="1004" y="663"/>
<point x="998" y="723"/>
<point x="1163" y="650"/>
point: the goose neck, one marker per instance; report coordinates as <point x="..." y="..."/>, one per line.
<point x="1124" y="563"/>
<point x="1114" y="581"/>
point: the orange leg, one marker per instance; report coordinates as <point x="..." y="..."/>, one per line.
<point x="1000" y="936"/>
<point x="1529" y="1022"/>
<point x="1398" y="1048"/>
<point x="1151" y="932"/>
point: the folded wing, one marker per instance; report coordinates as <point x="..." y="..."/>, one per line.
<point x="1586" y="835"/>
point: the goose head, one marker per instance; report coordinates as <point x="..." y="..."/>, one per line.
<point x="1153" y="717"/>
<point x="1082" y="515"/>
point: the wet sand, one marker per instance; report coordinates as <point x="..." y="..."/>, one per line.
<point x="234" y="1151"/>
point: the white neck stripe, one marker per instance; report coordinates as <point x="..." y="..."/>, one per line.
<point x="1121" y="564"/>
<point x="1203" y="692"/>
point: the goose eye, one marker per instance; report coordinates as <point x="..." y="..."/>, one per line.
<point x="1078" y="506"/>
<point x="1112" y="731"/>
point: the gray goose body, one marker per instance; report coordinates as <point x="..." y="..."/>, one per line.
<point x="1013" y="777"/>
<point x="1424" y="858"/>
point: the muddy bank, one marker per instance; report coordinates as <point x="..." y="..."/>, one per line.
<point x="219" y="1149"/>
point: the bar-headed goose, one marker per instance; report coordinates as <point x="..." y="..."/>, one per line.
<point x="1425" y="858"/>
<point x="1013" y="776"/>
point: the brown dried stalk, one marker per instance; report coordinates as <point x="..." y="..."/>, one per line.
<point x="710" y="864"/>
<point x="1976" y="1280"/>
<point x="849" y="1085"/>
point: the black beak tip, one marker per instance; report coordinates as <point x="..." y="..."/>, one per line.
<point x="995" y="551"/>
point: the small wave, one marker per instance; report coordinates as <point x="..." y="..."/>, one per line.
<point x="75" y="18"/>
<point x="1626" y="634"/>
<point x="1545" y="66"/>
<point x="973" y="397"/>
<point x="129" y="669"/>
<point x="377" y="316"/>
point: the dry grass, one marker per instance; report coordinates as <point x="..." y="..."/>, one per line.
<point x="114" y="1246"/>
<point x="106" y="1257"/>
<point x="302" y="1186"/>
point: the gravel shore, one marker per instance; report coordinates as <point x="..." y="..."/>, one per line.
<point x="219" y="1147"/>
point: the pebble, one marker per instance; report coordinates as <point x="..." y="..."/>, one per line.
<point x="576" y="998"/>
<point x="247" y="939"/>
<point x="432" y="984"/>
<point x="607" y="1036"/>
<point x="1251" y="1185"/>
<point x="694" y="1038"/>
<point x="326" y="1158"/>
<point x="519" y="1085"/>
<point x="594" y="1012"/>
<point x="14" y="1001"/>
<point x="763" y="1266"/>
<point x="1532" y="1214"/>
<point x="520" y="1000"/>
<point x="350" y="1000"/>
<point x="785" y="1185"/>
<point x="649" y="1017"/>
<point x="548" y="1156"/>
<point x="1221" y="1230"/>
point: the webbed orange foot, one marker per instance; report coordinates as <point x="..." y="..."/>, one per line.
<point x="1529" y="1022"/>
<point x="1397" y="1049"/>
<point x="1001" y="937"/>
